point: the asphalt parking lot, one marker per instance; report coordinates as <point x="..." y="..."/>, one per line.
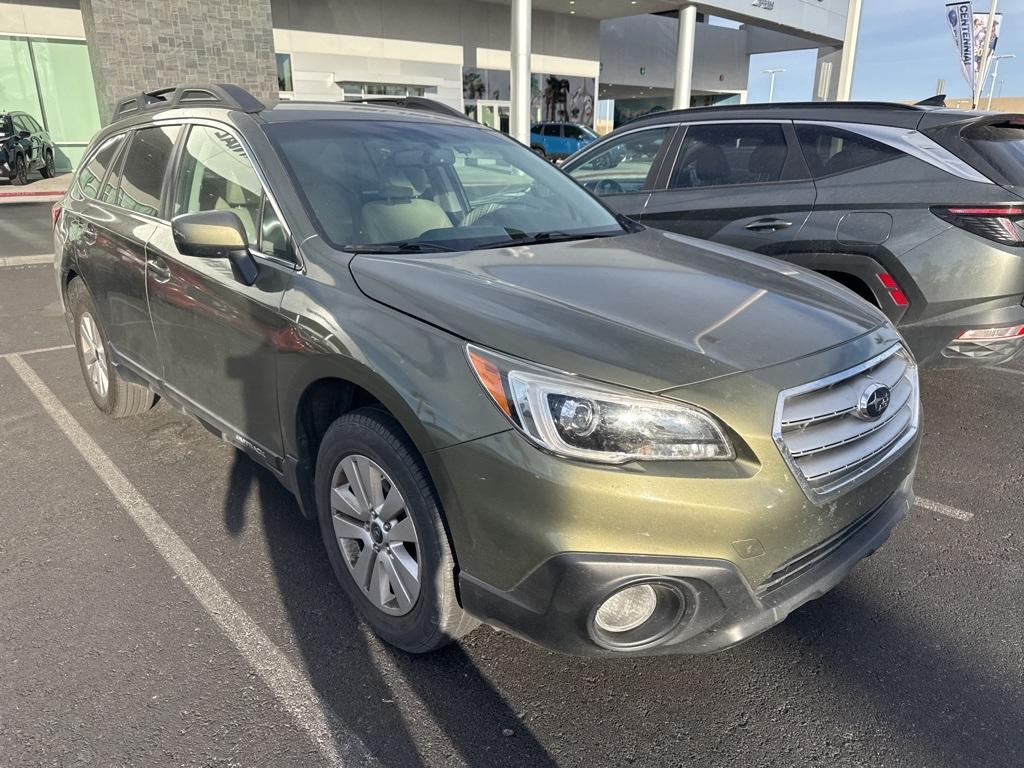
<point x="162" y="602"/>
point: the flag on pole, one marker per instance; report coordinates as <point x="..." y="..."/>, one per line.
<point x="980" y="25"/>
<point x="961" y="23"/>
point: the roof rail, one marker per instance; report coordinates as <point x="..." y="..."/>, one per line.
<point x="222" y="95"/>
<point x="778" y="106"/>
<point x="408" y="102"/>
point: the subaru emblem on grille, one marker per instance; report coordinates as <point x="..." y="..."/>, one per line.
<point x="874" y="401"/>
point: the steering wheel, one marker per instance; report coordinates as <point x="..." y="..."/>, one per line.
<point x="608" y="187"/>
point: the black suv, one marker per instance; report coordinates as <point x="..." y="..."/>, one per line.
<point x="24" y="146"/>
<point x="917" y="209"/>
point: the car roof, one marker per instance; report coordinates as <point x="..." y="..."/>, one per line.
<point x="873" y="112"/>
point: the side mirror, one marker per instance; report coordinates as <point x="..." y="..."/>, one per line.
<point x="25" y="134"/>
<point x="216" y="235"/>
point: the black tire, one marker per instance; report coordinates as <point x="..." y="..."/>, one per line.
<point x="436" y="618"/>
<point x="20" y="176"/>
<point x="122" y="398"/>
<point x="49" y="169"/>
<point x="540" y="151"/>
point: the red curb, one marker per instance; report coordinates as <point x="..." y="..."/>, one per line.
<point x="51" y="193"/>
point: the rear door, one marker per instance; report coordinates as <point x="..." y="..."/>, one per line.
<point x="740" y="183"/>
<point x="621" y="169"/>
<point x="115" y="225"/>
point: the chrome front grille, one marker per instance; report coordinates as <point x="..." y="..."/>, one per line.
<point x="829" y="443"/>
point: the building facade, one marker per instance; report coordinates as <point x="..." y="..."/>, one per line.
<point x="595" y="62"/>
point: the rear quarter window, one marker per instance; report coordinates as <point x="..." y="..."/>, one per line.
<point x="1002" y="146"/>
<point x="829" y="150"/>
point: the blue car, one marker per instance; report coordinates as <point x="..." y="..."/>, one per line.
<point x="558" y="140"/>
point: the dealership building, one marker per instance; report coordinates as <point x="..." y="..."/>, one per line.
<point x="505" y="63"/>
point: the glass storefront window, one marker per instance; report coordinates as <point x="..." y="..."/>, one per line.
<point x="17" y="83"/>
<point x="284" y="72"/>
<point x="382" y="89"/>
<point x="52" y="81"/>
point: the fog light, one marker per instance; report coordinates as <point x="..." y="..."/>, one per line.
<point x="627" y="609"/>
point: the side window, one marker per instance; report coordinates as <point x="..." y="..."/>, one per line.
<point x="19" y="123"/>
<point x="273" y="238"/>
<point x="108" y="192"/>
<point x="730" y="153"/>
<point x="35" y="127"/>
<point x="552" y="129"/>
<point x="573" y="132"/>
<point x="621" y="166"/>
<point x="831" y="150"/>
<point x="91" y="176"/>
<point x="142" y="174"/>
<point x="216" y="175"/>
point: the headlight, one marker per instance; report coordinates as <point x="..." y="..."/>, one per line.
<point x="596" y="422"/>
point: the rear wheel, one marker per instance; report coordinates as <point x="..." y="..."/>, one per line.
<point x="20" y="175"/>
<point x="381" y="523"/>
<point x="49" y="169"/>
<point x="111" y="394"/>
<point x="540" y="151"/>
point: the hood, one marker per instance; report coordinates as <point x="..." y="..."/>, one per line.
<point x="649" y="310"/>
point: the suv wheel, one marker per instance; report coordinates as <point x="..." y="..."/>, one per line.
<point x="49" y="169"/>
<point x="112" y="394"/>
<point x="381" y="523"/>
<point x="20" y="175"/>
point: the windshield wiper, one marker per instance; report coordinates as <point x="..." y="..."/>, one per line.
<point x="409" y="247"/>
<point x="518" y="237"/>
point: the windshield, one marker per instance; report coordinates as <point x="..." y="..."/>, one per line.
<point x="431" y="186"/>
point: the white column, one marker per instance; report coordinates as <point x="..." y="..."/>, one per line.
<point x="844" y="83"/>
<point x="684" y="57"/>
<point x="519" y="119"/>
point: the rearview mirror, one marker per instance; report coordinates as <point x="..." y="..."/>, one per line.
<point x="216" y="235"/>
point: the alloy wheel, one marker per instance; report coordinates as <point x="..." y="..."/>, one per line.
<point x="94" y="355"/>
<point x="376" y="534"/>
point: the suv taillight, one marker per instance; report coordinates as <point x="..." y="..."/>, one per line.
<point x="55" y="213"/>
<point x="1002" y="223"/>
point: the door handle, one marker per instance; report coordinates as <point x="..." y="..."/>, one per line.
<point x="768" y="225"/>
<point x="88" y="234"/>
<point x="160" y="271"/>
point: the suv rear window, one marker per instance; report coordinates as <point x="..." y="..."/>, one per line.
<point x="1002" y="145"/>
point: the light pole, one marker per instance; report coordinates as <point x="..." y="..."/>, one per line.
<point x="771" y="82"/>
<point x="995" y="75"/>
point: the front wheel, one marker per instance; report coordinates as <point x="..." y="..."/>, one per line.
<point x="381" y="523"/>
<point x="20" y="176"/>
<point x="111" y="394"/>
<point x="49" y="169"/>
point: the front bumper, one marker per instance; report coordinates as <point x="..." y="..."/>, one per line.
<point x="555" y="604"/>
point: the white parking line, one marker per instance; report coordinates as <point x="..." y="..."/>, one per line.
<point x="943" y="509"/>
<point x="37" y="351"/>
<point x="336" y="743"/>
<point x="21" y="261"/>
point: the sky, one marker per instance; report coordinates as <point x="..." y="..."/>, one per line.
<point x="905" y="46"/>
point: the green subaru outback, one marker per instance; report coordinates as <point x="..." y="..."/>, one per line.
<point x="503" y="402"/>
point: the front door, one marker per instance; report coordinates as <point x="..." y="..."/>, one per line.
<point x="218" y="337"/>
<point x="743" y="184"/>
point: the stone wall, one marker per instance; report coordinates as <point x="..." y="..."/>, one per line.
<point x="141" y="45"/>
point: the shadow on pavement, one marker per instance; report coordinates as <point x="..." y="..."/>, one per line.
<point x="343" y="659"/>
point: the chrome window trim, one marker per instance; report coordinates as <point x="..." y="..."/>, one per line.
<point x="857" y="477"/>
<point x="911" y="142"/>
